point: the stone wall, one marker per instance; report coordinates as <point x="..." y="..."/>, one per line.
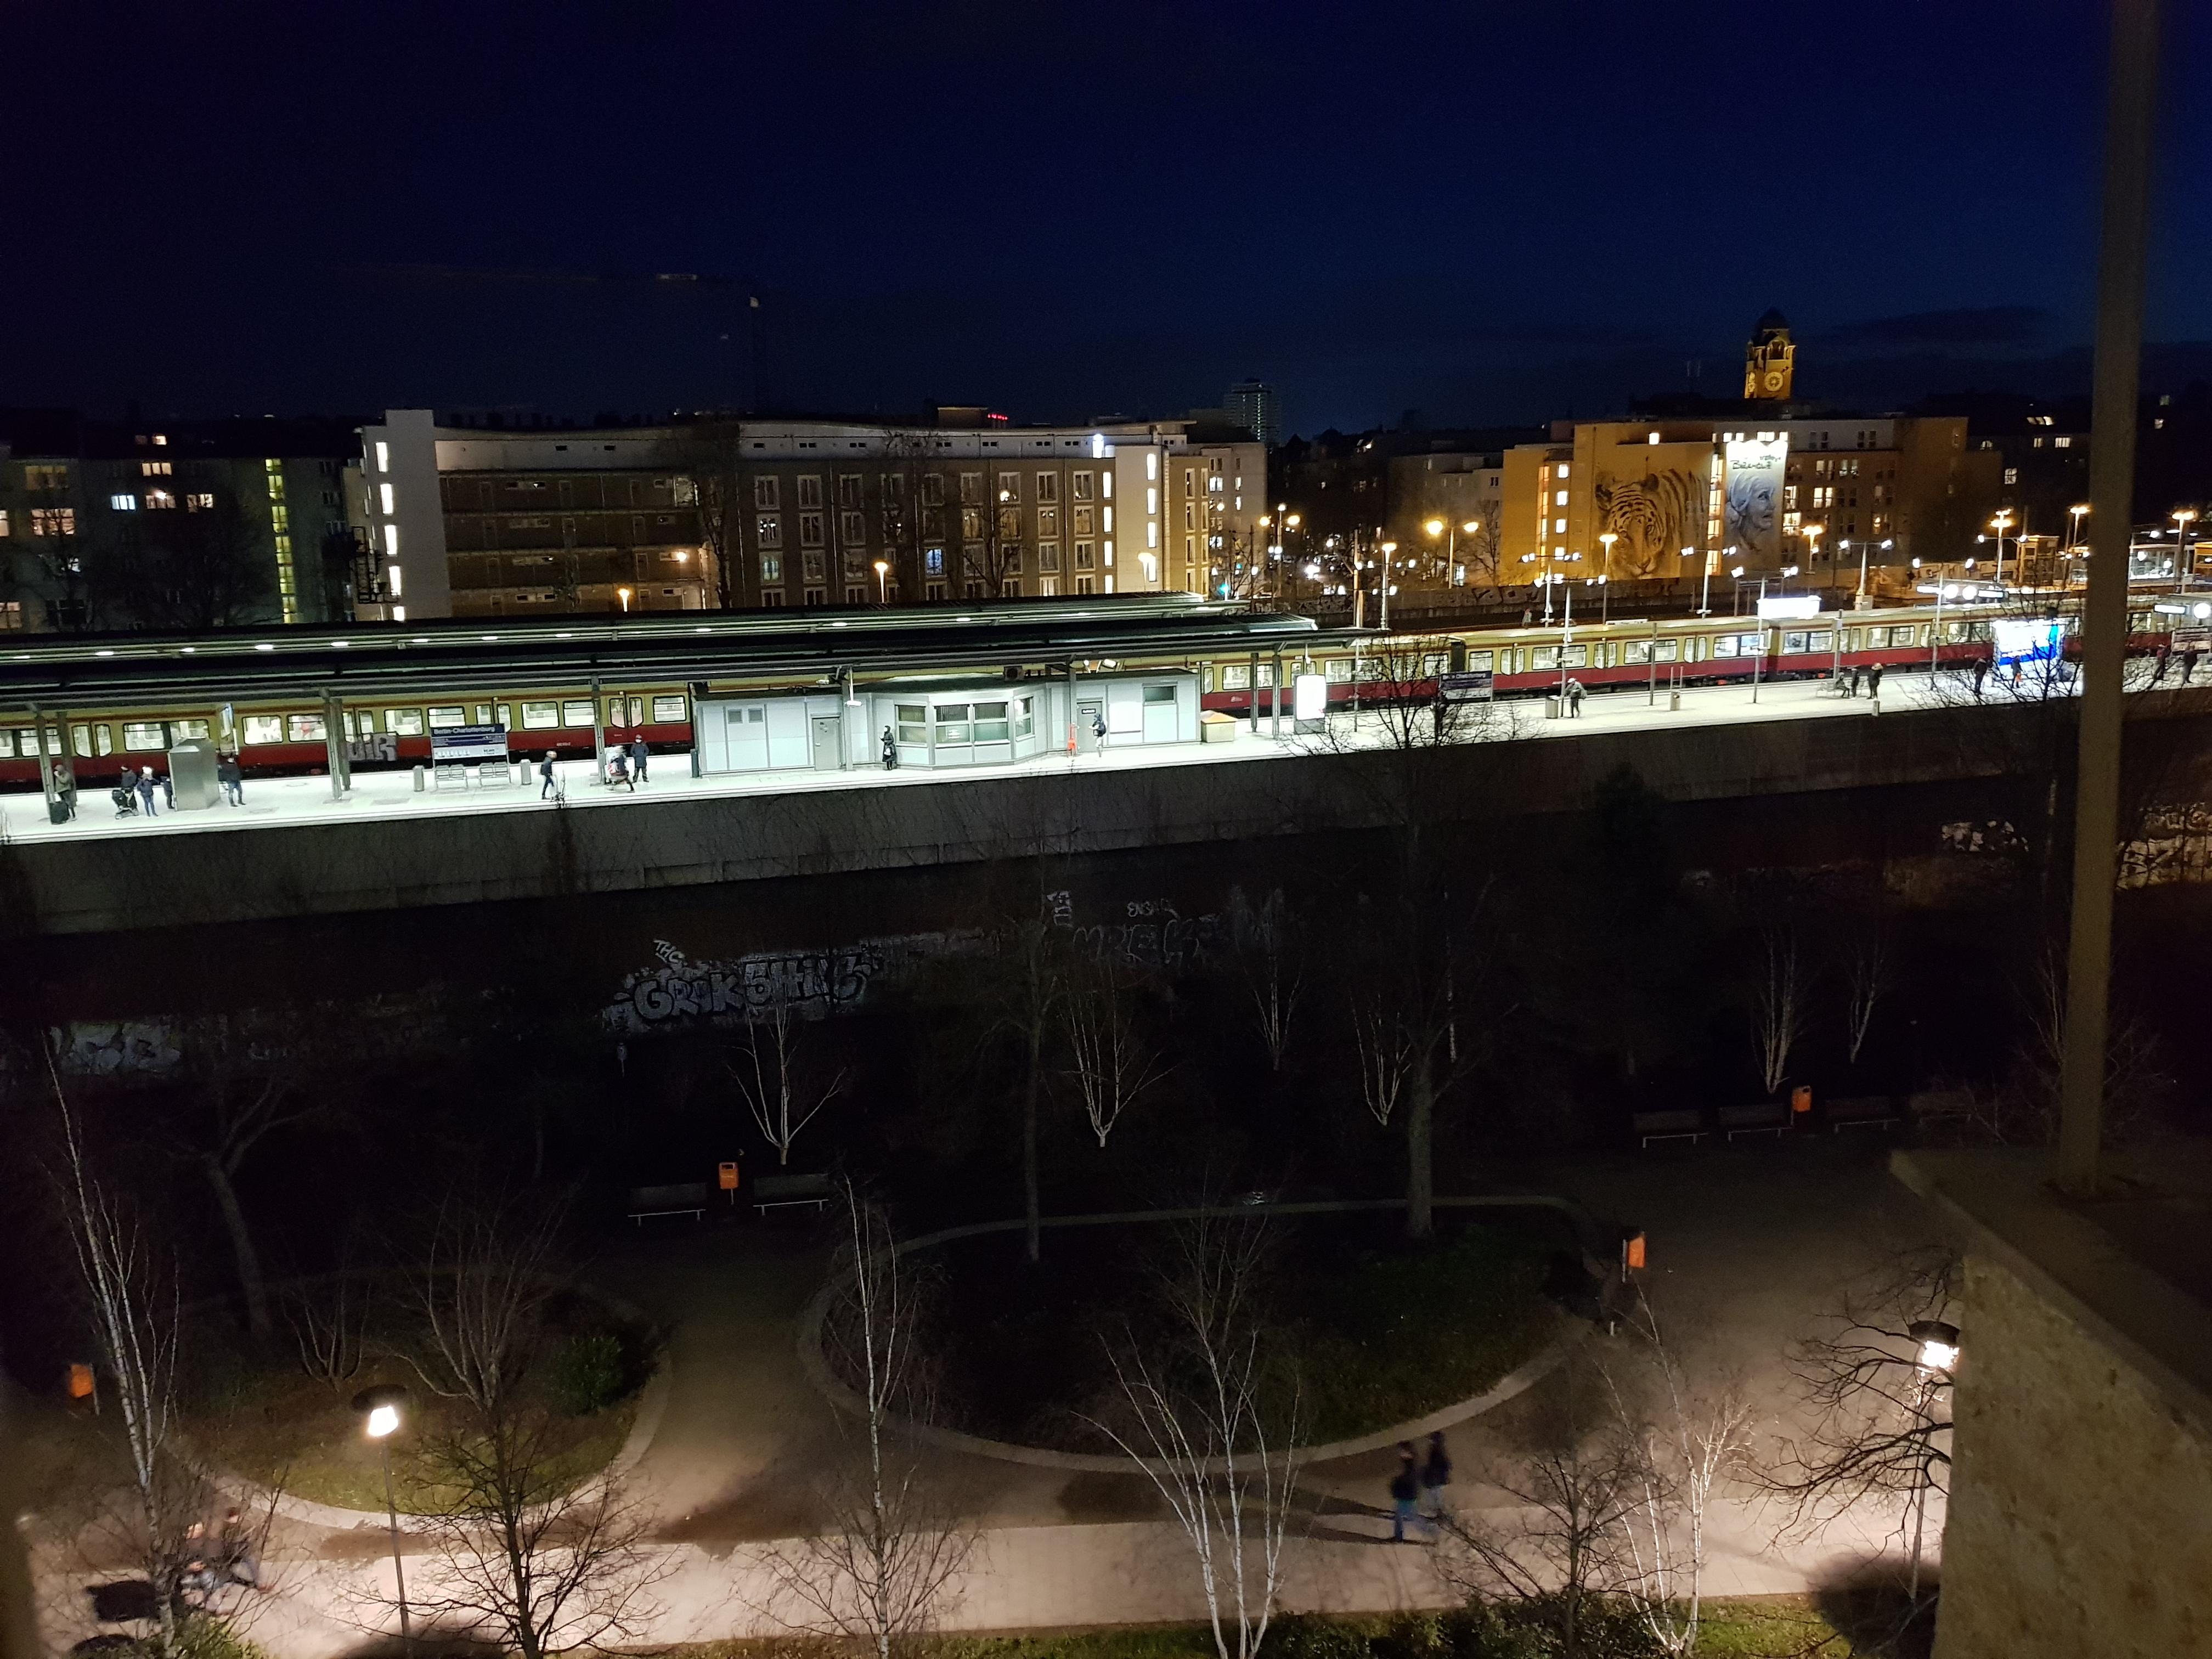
<point x="2081" y="1515"/>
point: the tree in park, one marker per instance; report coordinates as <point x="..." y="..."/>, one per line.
<point x="887" y="1561"/>
<point x="782" y="1092"/>
<point x="1110" y="1064"/>
<point x="1267" y="960"/>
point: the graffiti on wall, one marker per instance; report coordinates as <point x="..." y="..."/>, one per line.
<point x="119" y="1048"/>
<point x="676" y="990"/>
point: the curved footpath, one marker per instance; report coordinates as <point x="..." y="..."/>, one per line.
<point x="1746" y="1243"/>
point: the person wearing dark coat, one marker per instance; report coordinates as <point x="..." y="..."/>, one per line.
<point x="1851" y="681"/>
<point x="228" y="773"/>
<point x="1874" y="681"/>
<point x="639" y="754"/>
<point x="1436" y="1475"/>
<point x="1981" y="673"/>
<point x="1405" y="1493"/>
<point x="891" y="751"/>
<point x="546" y="772"/>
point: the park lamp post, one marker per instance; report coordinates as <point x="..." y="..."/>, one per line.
<point x="2001" y="521"/>
<point x="882" y="581"/>
<point x="1935" y="1357"/>
<point x="2184" y="556"/>
<point x="379" y="1407"/>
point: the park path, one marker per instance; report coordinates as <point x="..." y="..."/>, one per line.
<point x="1746" y="1243"/>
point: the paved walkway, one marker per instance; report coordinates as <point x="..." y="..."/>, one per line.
<point x="1747" y="1243"/>
<point x="275" y="802"/>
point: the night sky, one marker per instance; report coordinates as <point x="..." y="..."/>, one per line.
<point x="1484" y="211"/>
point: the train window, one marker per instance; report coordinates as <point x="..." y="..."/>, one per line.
<point x="540" y="716"/>
<point x="1236" y="679"/>
<point x="445" y="718"/>
<point x="144" y="736"/>
<point x="364" y="721"/>
<point x="484" y="714"/>
<point x="102" y="741"/>
<point x="576" y="711"/>
<point x="1823" y="640"/>
<point x="625" y="711"/>
<point x="404" y="722"/>
<point x="1547" y="656"/>
<point x="181" y="729"/>
<point x="1025" y="718"/>
<point x="952" y="724"/>
<point x="1433" y="663"/>
<point x="668" y="711"/>
<point x="259" y="728"/>
<point x="507" y="716"/>
<point x="1794" y="642"/>
<point x="913" y="723"/>
<point x="1904" y="636"/>
<point x="306" y="728"/>
<point x="991" y="724"/>
<point x="1267" y="678"/>
<point x="1337" y="671"/>
<point x="1639" y="653"/>
<point x="80" y="740"/>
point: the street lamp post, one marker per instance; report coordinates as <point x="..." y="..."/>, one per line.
<point x="1935" y="1356"/>
<point x="2001" y="521"/>
<point x="623" y="594"/>
<point x="1382" y="586"/>
<point x="1813" y="533"/>
<point x="379" y="1407"/>
<point x="2185" y="556"/>
<point x="882" y="581"/>
<point x="1606" y="540"/>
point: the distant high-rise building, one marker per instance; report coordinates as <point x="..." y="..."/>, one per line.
<point x="1253" y="403"/>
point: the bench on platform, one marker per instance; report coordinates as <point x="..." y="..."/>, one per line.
<point x="777" y="1192"/>
<point x="1878" y="1110"/>
<point x="1680" y="1124"/>
<point x="1763" y="1117"/>
<point x="680" y="1198"/>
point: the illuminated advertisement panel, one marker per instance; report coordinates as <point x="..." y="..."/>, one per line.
<point x="2028" y="639"/>
<point x="1753" y="498"/>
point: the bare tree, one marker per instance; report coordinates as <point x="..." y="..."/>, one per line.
<point x="135" y="1317"/>
<point x="885" y="1566"/>
<point x="1032" y="982"/>
<point x="1214" y="1419"/>
<point x="480" y="1292"/>
<point x="187" y="571"/>
<point x="1405" y="707"/>
<point x="1685" y="1446"/>
<point x="1110" y="1063"/>
<point x="1556" y="1553"/>
<point x="1264" y="948"/>
<point x="246" y="1086"/>
<point x="1777" y="1002"/>
<point x="776" y="1089"/>
<point x="1866" y="982"/>
<point x="710" y="456"/>
<point x="539" y="1562"/>
<point x="328" y="1315"/>
<point x="1880" y="1433"/>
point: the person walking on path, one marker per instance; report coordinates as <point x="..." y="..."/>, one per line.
<point x="1981" y="673"/>
<point x="2188" y="664"/>
<point x="1405" y="1493"/>
<point x="639" y="754"/>
<point x="240" y="1563"/>
<point x="545" y="771"/>
<point x="1851" y="681"/>
<point x="1098" y="729"/>
<point x="2158" y="667"/>
<point x="146" y="788"/>
<point x="1436" y="1475"/>
<point x="232" y="777"/>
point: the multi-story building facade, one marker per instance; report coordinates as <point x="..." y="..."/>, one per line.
<point x="466" y="521"/>
<point x="171" y="524"/>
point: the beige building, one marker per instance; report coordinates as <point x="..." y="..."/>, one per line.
<point x="550" y="520"/>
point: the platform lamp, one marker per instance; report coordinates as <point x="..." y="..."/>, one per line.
<point x="381" y="1407"/>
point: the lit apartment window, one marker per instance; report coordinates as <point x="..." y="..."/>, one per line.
<point x="384" y="495"/>
<point x="53" y="521"/>
<point x="1009" y="486"/>
<point x="1562" y="471"/>
<point x="769" y="528"/>
<point x="1558" y="526"/>
<point x="155" y="468"/>
<point x="771" y="568"/>
<point x="809" y="490"/>
<point x="1560" y="500"/>
<point x="1151" y="463"/>
<point x="124" y="503"/>
<point x="391" y="541"/>
<point x="382" y="457"/>
<point x="156" y="499"/>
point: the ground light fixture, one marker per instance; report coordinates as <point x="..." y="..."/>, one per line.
<point x="382" y="1408"/>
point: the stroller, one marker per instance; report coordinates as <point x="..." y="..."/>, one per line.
<point x="126" y="799"/>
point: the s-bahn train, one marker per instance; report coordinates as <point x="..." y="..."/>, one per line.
<point x="546" y="707"/>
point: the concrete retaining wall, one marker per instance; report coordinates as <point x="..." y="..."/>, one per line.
<point x="111" y="885"/>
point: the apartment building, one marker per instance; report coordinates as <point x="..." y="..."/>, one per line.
<point x="467" y="521"/>
<point x="159" y="523"/>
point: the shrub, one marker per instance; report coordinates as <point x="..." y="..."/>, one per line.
<point x="588" y="1373"/>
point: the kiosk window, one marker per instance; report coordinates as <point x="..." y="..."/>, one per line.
<point x="1025" y="718"/>
<point x="952" y="723"/>
<point x="991" y="723"/>
<point x="913" y="723"/>
<point x="1160" y="694"/>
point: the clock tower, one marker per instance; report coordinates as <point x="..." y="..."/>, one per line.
<point x="1770" y="361"/>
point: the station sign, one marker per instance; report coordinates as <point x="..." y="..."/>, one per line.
<point x="455" y="743"/>
<point x="1474" y="685"/>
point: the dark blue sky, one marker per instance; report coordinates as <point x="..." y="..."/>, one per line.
<point x="1486" y="211"/>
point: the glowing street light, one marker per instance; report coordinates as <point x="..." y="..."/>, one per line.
<point x="380" y="1407"/>
<point x="2001" y="521"/>
<point x="623" y="594"/>
<point x="882" y="581"/>
<point x="1935" y="1346"/>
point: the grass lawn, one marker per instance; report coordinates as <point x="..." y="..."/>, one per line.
<point x="1384" y="1331"/>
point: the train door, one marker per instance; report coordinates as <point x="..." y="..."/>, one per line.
<point x="828" y="742"/>
<point x="747" y="737"/>
<point x="1090" y="715"/>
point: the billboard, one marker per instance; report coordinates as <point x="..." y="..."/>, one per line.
<point x="2028" y="639"/>
<point x="1753" y="525"/>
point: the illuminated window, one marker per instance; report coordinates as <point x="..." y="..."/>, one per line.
<point x="384" y="496"/>
<point x="201" y="502"/>
<point x="771" y="568"/>
<point x="1560" y="499"/>
<point x="53" y="521"/>
<point x="1047" y="487"/>
<point x="124" y="503"/>
<point x="1563" y="470"/>
<point x="157" y="500"/>
<point x="770" y="531"/>
<point x="382" y="457"/>
<point x="1558" y="526"/>
<point x="155" y="468"/>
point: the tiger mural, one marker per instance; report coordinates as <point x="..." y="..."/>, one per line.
<point x="1655" y="516"/>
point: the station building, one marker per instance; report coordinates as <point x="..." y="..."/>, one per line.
<point x="475" y="521"/>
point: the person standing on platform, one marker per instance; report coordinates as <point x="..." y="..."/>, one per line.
<point x="639" y="754"/>
<point x="232" y="777"/>
<point x="546" y="772"/>
<point x="146" y="789"/>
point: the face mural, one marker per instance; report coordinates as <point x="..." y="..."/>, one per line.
<point x="1754" y="526"/>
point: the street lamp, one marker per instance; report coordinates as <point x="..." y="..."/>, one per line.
<point x="882" y="581"/>
<point x="1936" y="1345"/>
<point x="2184" y="559"/>
<point x="1383" y="585"/>
<point x="1812" y="532"/>
<point x="379" y="1407"/>
<point x="2001" y="521"/>
<point x="623" y="594"/>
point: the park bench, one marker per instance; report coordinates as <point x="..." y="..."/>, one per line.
<point x="1680" y="1124"/>
<point x="777" y="1192"/>
<point x="1877" y="1110"/>
<point x="680" y="1198"/>
<point x="1763" y="1117"/>
<point x="1938" y="1105"/>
